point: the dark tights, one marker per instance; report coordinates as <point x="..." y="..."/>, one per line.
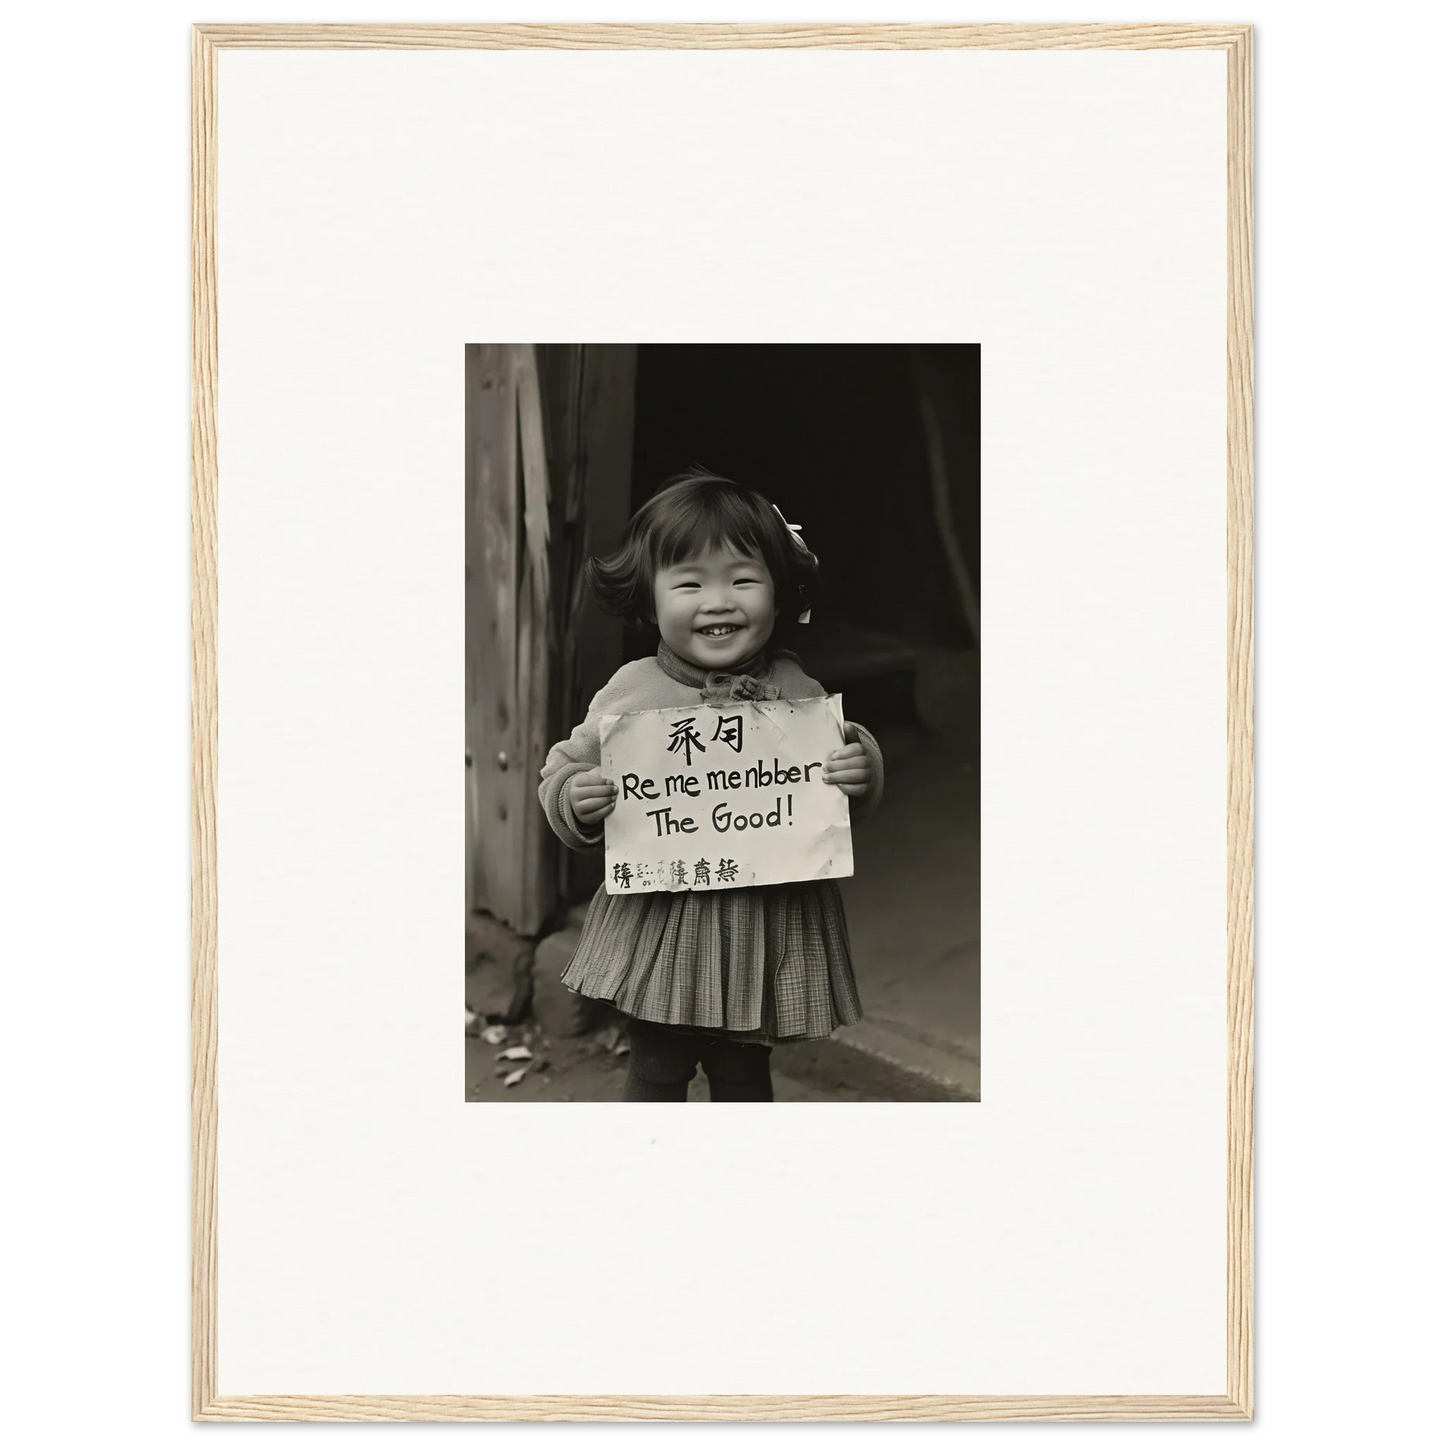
<point x="665" y="1059"/>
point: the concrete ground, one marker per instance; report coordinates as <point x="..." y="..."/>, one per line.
<point x="591" y="1070"/>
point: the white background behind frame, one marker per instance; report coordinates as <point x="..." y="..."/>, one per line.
<point x="378" y="210"/>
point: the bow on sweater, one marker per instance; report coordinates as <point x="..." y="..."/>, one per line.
<point x="728" y="687"/>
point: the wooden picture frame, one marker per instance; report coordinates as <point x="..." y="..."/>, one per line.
<point x="1237" y="1403"/>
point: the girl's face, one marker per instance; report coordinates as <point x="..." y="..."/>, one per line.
<point x="716" y="610"/>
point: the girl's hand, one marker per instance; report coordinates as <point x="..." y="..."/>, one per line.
<point x="849" y="768"/>
<point x="593" y="796"/>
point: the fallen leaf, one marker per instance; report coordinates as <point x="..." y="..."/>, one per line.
<point x="495" y="1034"/>
<point x="515" y="1077"/>
<point x="517" y="1051"/>
<point x="623" y="1047"/>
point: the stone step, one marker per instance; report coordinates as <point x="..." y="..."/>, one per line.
<point x="498" y="970"/>
<point x="898" y="1062"/>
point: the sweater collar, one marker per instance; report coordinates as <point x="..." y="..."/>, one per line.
<point x="750" y="681"/>
<point x="679" y="669"/>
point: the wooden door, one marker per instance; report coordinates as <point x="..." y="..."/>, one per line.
<point x="548" y="481"/>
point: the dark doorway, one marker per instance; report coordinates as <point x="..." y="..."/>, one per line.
<point x="835" y="435"/>
<point x="874" y="450"/>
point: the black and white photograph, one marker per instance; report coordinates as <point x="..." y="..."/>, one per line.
<point x="722" y="712"/>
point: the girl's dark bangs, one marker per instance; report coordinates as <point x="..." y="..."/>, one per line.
<point x="687" y="531"/>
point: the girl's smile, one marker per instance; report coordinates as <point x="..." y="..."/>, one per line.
<point x="716" y="610"/>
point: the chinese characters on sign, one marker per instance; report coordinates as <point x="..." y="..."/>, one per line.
<point x="677" y="872"/>
<point x="730" y="731"/>
<point x="685" y="738"/>
<point x="731" y="797"/>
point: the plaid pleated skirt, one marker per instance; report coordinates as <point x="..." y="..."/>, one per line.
<point x="770" y="963"/>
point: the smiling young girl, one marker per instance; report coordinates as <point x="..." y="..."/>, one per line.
<point x="712" y="977"/>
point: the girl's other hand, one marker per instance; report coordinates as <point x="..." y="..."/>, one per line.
<point x="849" y="768"/>
<point x="593" y="796"/>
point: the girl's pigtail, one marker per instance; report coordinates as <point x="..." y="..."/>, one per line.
<point x="795" y="535"/>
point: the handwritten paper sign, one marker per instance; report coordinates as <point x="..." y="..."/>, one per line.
<point x="725" y="797"/>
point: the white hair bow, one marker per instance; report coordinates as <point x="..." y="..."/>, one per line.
<point x="796" y="533"/>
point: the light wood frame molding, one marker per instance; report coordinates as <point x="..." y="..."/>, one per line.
<point x="1238" y="1403"/>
